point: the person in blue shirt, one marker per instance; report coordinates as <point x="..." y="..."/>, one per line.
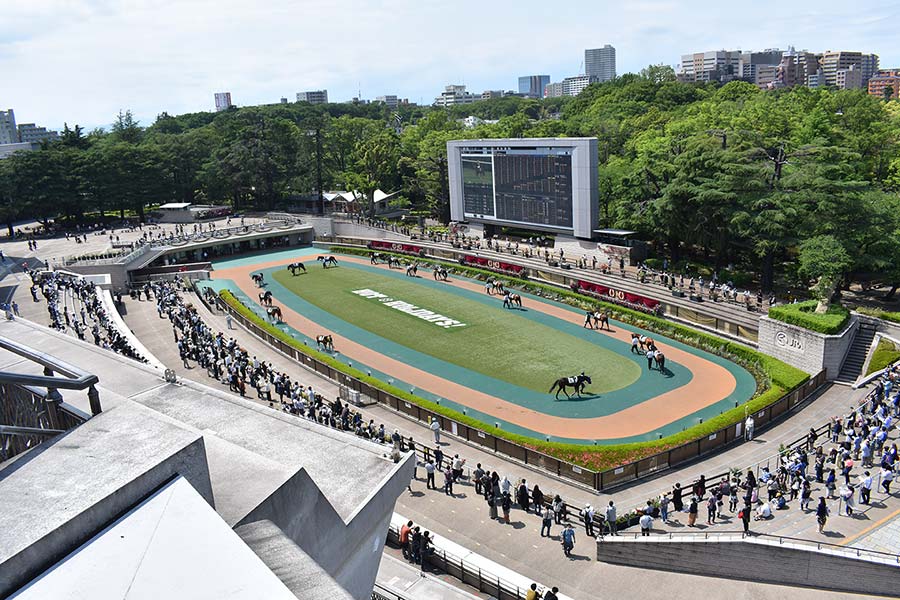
<point x="568" y="539"/>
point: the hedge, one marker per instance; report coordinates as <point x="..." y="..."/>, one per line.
<point x="893" y="317"/>
<point x="886" y="353"/>
<point x="780" y="377"/>
<point x="801" y="314"/>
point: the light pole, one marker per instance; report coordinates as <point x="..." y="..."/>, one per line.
<point x="317" y="132"/>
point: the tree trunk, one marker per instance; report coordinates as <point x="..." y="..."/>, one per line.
<point x="767" y="276"/>
<point x="9" y="228"/>
<point x="826" y="291"/>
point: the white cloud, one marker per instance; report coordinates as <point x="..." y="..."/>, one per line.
<point x="81" y="61"/>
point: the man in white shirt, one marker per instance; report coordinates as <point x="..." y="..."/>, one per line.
<point x="749" y="424"/>
<point x="646" y="522"/>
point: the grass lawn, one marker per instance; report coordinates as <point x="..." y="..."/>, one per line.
<point x="503" y="344"/>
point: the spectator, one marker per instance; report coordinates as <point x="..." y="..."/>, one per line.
<point x="646" y="522"/>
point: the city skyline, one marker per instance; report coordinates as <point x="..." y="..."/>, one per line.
<point x="83" y="61"/>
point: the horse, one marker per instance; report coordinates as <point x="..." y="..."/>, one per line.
<point x="393" y="261"/>
<point x="296" y="266"/>
<point x="327" y="260"/>
<point x="265" y="298"/>
<point x="577" y="381"/>
<point x="258" y="279"/>
<point x="440" y="274"/>
<point x="515" y="299"/>
<point x="325" y="342"/>
<point x="374" y="258"/>
<point x="274" y="313"/>
<point x="412" y="269"/>
<point x="601" y="319"/>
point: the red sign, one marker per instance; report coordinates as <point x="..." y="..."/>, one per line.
<point x="498" y="266"/>
<point x="617" y="296"/>
<point x="397" y="247"/>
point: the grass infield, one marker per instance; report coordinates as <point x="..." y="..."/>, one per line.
<point x="492" y="340"/>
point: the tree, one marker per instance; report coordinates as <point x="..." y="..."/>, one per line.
<point x="887" y="92"/>
<point x="657" y="74"/>
<point x="824" y="260"/>
<point x="126" y="129"/>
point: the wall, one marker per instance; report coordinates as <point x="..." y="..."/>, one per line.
<point x="805" y="349"/>
<point x="759" y="559"/>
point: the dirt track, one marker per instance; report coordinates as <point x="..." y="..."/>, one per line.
<point x="710" y="383"/>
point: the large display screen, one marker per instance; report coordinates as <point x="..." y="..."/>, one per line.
<point x="525" y="185"/>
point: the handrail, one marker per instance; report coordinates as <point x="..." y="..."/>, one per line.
<point x="77" y="379"/>
<point x="781" y="539"/>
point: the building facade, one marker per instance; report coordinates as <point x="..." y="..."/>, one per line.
<point x="532" y="86"/>
<point x="455" y="94"/>
<point x="832" y="62"/>
<point x="572" y="86"/>
<point x="850" y="78"/>
<point x="885" y="84"/>
<point x="553" y="90"/>
<point x="223" y="101"/>
<point x="31" y="133"/>
<point x="716" y="65"/>
<point x="313" y="96"/>
<point x="390" y="101"/>
<point x="8" y="132"/>
<point x="600" y="63"/>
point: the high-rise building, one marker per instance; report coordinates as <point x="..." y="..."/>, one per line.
<point x="884" y="79"/>
<point x="795" y="68"/>
<point x="832" y="62"/>
<point x="553" y="90"/>
<point x="223" y="101"/>
<point x="455" y="94"/>
<point x="533" y="86"/>
<point x="8" y="132"/>
<point x="759" y="68"/>
<point x="849" y="78"/>
<point x="283" y="100"/>
<point x="29" y="132"/>
<point x="600" y="63"/>
<point x="716" y="65"/>
<point x="313" y="97"/>
<point x="572" y="86"/>
<point x="390" y="101"/>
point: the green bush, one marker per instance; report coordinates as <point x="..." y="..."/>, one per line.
<point x="801" y="314"/>
<point x="886" y="353"/>
<point x="774" y="377"/>
<point x="893" y="317"/>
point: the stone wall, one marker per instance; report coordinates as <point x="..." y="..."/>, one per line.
<point x="805" y="349"/>
<point x="766" y="560"/>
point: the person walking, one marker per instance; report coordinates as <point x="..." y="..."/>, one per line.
<point x="546" y="520"/>
<point x="692" y="511"/>
<point x="436" y="430"/>
<point x="228" y="321"/>
<point x="744" y="516"/>
<point x="821" y="514"/>
<point x="587" y="516"/>
<point x="611" y="519"/>
<point x="506" y="504"/>
<point x="677" y="502"/>
<point x="429" y="475"/>
<point x="887" y="476"/>
<point x="568" y="540"/>
<point x="749" y="425"/>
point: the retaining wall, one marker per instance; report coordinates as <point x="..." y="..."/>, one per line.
<point x="807" y="350"/>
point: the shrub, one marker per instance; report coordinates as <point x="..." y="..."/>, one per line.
<point x="801" y="314"/>
<point x="774" y="377"/>
<point x="886" y="353"/>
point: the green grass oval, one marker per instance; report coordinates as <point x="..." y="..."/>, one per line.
<point x="496" y="342"/>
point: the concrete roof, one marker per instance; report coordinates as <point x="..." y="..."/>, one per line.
<point x="172" y="545"/>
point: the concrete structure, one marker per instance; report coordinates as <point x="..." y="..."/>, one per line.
<point x="760" y="68"/>
<point x="884" y="79"/>
<point x="834" y="61"/>
<point x="545" y="184"/>
<point x="716" y="65"/>
<point x="770" y="560"/>
<point x="795" y="68"/>
<point x="600" y="63"/>
<point x="805" y="349"/>
<point x="7" y="150"/>
<point x="390" y="101"/>
<point x="31" y="133"/>
<point x="453" y="95"/>
<point x="313" y="96"/>
<point x="532" y="86"/>
<point x="223" y="101"/>
<point x="8" y="132"/>
<point x="269" y="476"/>
<point x="850" y="78"/>
<point x="572" y="86"/>
<point x="553" y="90"/>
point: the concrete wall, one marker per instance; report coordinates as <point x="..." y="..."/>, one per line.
<point x="805" y="349"/>
<point x="117" y="274"/>
<point x="757" y="559"/>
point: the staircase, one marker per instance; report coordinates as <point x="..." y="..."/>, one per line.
<point x="856" y="357"/>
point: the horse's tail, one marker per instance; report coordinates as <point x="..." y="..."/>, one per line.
<point x="552" y="387"/>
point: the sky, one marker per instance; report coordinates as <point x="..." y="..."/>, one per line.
<point x="81" y="61"/>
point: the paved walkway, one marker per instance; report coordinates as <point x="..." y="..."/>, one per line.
<point x="463" y="517"/>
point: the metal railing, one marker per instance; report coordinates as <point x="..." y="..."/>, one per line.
<point x="31" y="406"/>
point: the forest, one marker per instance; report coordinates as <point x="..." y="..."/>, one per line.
<point x="721" y="175"/>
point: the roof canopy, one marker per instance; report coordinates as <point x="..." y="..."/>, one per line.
<point x="175" y="206"/>
<point x="617" y="232"/>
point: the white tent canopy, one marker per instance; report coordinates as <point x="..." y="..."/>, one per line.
<point x="341" y="196"/>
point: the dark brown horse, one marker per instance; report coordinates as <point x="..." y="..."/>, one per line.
<point x="578" y="382"/>
<point x="325" y="342"/>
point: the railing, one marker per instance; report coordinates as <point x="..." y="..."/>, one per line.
<point x="465" y="571"/>
<point x="698" y="536"/>
<point x="28" y="414"/>
<point x="597" y="480"/>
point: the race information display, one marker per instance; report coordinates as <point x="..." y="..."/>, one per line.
<point x="498" y="266"/>
<point x="396" y="247"/>
<point x="617" y="296"/>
